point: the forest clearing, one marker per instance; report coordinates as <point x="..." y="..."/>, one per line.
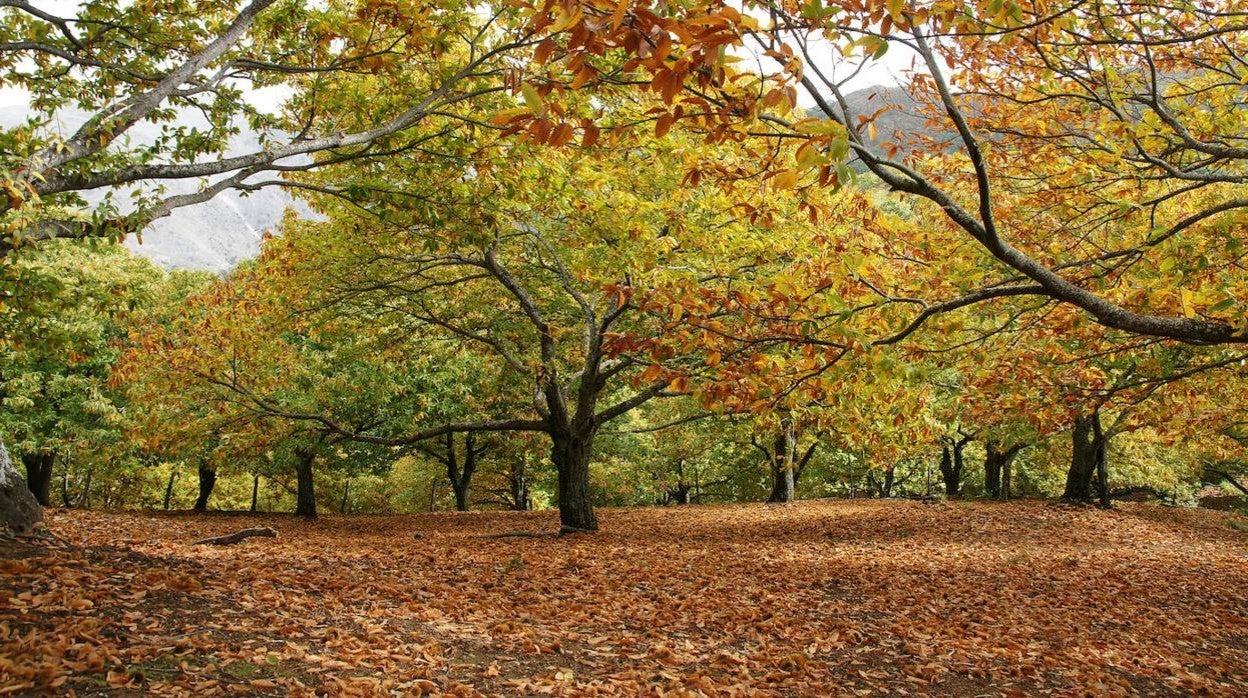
<point x="816" y="598"/>
<point x="624" y="347"/>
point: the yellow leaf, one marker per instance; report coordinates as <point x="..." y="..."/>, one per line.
<point x="785" y="179"/>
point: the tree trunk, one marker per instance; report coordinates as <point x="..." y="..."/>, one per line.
<point x="207" y="481"/>
<point x="1087" y="448"/>
<point x="679" y="493"/>
<point x="782" y="481"/>
<point x="173" y="475"/>
<point x="518" y="483"/>
<point x="305" y="492"/>
<point x="39" y="475"/>
<point x="571" y="455"/>
<point x="84" y="500"/>
<point x="998" y="468"/>
<point x="65" y="500"/>
<point x="952" y="465"/>
<point x="1102" y="464"/>
<point x="255" y="492"/>
<point x="948" y="474"/>
<point x="19" y="510"/>
<point x="992" y="470"/>
<point x="346" y="497"/>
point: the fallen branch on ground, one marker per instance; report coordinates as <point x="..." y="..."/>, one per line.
<point x="520" y="534"/>
<point x="238" y="536"/>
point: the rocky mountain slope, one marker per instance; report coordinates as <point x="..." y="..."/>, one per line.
<point x="215" y="235"/>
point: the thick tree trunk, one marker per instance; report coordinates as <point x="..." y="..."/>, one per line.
<point x="19" y="510"/>
<point x="39" y="475"/>
<point x="207" y="481"/>
<point x="952" y="478"/>
<point x="305" y="491"/>
<point x="679" y="493"/>
<point x="255" y="492"/>
<point x="992" y="470"/>
<point x="1102" y="465"/>
<point x="173" y="475"/>
<point x="571" y="456"/>
<point x="1087" y="450"/>
<point x="998" y="468"/>
<point x="952" y="465"/>
<point x="782" y="465"/>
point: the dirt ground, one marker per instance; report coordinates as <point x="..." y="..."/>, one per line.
<point x="810" y="599"/>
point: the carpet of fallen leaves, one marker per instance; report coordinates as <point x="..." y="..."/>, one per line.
<point x="817" y="598"/>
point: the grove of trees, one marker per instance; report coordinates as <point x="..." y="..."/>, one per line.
<point x="581" y="253"/>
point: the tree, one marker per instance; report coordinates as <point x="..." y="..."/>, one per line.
<point x="19" y="511"/>
<point x="461" y="477"/>
<point x="124" y="63"/>
<point x="1079" y="101"/>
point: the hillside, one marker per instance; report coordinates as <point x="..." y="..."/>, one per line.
<point x="863" y="597"/>
<point x="215" y="235"/>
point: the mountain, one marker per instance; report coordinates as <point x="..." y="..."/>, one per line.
<point x="215" y="235"/>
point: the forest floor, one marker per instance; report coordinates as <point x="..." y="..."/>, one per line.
<point x="811" y="599"/>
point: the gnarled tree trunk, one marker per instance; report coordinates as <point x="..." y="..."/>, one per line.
<point x="19" y="510"/>
<point x="571" y="455"/>
<point x="207" y="481"/>
<point x="998" y="462"/>
<point x="39" y="475"/>
<point x="951" y="465"/>
<point x="1087" y="453"/>
<point x="782" y="464"/>
<point x="305" y="491"/>
<point x="786" y="467"/>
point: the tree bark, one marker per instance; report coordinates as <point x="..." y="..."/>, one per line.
<point x="65" y="500"/>
<point x="950" y="473"/>
<point x="679" y="493"/>
<point x="1088" y="445"/>
<point x="1102" y="465"/>
<point x="39" y="475"/>
<point x="346" y="497"/>
<point x="305" y="492"/>
<point x="782" y="453"/>
<point x="255" y="492"/>
<point x="952" y="465"/>
<point x="207" y="481"/>
<point x="238" y="536"/>
<point x="84" y="500"/>
<point x="518" y="484"/>
<point x="992" y="470"/>
<point x="571" y="455"/>
<point x="173" y="475"/>
<point x="19" y="510"/>
<point x="998" y="468"/>
<point x="786" y="467"/>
